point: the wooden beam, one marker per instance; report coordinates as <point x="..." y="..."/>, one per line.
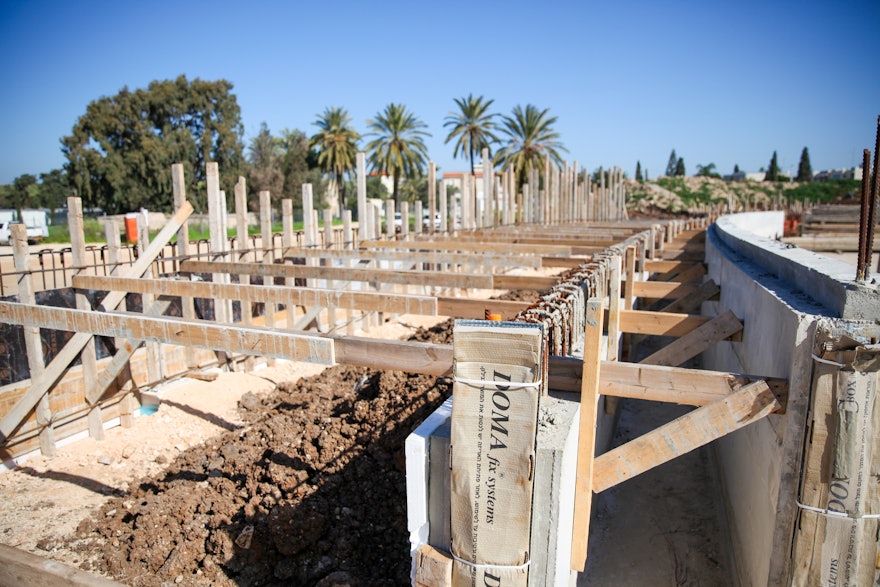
<point x="399" y="355"/>
<point x="88" y="353"/>
<point x="692" y="301"/>
<point x="461" y="245"/>
<point x="583" y="497"/>
<point x="32" y="341"/>
<point x="288" y="295"/>
<point x="523" y="282"/>
<point x="696" y="341"/>
<point x="438" y="279"/>
<point x="656" y="266"/>
<point x="659" y="323"/>
<point x="691" y="431"/>
<point x="418" y="256"/>
<point x="125" y="349"/>
<point x="660" y="289"/>
<point x="469" y="308"/>
<point x="282" y="344"/>
<point x="18" y="567"/>
<point x="692" y="387"/>
<point x="614" y="308"/>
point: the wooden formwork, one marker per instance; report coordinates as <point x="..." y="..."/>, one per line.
<point x="606" y="279"/>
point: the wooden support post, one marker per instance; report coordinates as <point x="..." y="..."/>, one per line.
<point x="71" y="350"/>
<point x="583" y="499"/>
<point x="362" y="213"/>
<point x="696" y="341"/>
<point x="347" y="244"/>
<point x="268" y="256"/>
<point x="32" y="342"/>
<point x="328" y="244"/>
<point x="444" y="210"/>
<point x="87" y="356"/>
<point x="155" y="358"/>
<point x="217" y="245"/>
<point x="487" y="189"/>
<point x="243" y="245"/>
<point x="128" y="404"/>
<point x="613" y="321"/>
<point x="689" y="432"/>
<point x="404" y="220"/>
<point x="418" y="213"/>
<point x="188" y="311"/>
<point x="286" y="244"/>
<point x="432" y="197"/>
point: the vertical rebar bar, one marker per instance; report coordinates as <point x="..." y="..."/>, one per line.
<point x="863" y="259"/>
<point x="872" y="204"/>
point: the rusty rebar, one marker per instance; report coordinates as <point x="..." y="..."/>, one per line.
<point x="872" y="204"/>
<point x="863" y="258"/>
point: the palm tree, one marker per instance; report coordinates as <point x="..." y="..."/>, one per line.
<point x="473" y="126"/>
<point x="399" y="147"/>
<point x="337" y="145"/>
<point x="531" y="139"/>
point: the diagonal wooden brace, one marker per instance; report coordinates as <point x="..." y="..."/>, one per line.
<point x="689" y="432"/>
<point x="41" y="384"/>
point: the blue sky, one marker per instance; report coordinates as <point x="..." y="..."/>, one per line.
<point x="720" y="82"/>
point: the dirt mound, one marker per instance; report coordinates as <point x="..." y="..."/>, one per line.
<point x="311" y="491"/>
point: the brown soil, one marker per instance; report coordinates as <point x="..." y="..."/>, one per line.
<point x="308" y="490"/>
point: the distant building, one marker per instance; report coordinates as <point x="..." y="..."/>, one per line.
<point x="737" y="176"/>
<point x="756" y="176"/>
<point x="851" y="173"/>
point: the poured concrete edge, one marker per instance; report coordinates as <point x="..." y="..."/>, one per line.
<point x="827" y="281"/>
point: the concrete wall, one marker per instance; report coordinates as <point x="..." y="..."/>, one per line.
<point x="780" y="294"/>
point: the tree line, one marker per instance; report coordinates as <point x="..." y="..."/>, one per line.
<point x="675" y="168"/>
<point x="119" y="152"/>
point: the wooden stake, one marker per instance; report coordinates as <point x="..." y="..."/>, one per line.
<point x="87" y="355"/>
<point x="583" y="499"/>
<point x="188" y="311"/>
<point x="243" y="244"/>
<point x="32" y="341"/>
<point x="268" y="256"/>
<point x="59" y="364"/>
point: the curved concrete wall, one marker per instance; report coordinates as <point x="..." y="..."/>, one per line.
<point x="781" y="293"/>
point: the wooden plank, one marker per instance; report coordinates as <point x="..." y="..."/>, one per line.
<point x="438" y="279"/>
<point x="128" y="403"/>
<point x="614" y="308"/>
<point x="178" y="191"/>
<point x="288" y="295"/>
<point x="418" y="256"/>
<point x="661" y="289"/>
<point x="567" y="262"/>
<point x="461" y="245"/>
<point x="693" y="273"/>
<point x="476" y="309"/>
<point x="696" y="341"/>
<point x="523" y="282"/>
<point x="88" y="354"/>
<point x="125" y="348"/>
<point x="59" y="364"/>
<point x="692" y="301"/>
<point x="32" y="342"/>
<point x="18" y="567"/>
<point x="689" y="432"/>
<point x="583" y="499"/>
<point x="220" y="337"/>
<point x="659" y="323"/>
<point x="657" y="266"/>
<point x="692" y="387"/>
<point x="399" y="355"/>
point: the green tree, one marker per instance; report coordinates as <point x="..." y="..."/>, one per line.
<point x="54" y="190"/>
<point x="337" y="145"/>
<point x="530" y="140"/>
<point x="736" y="168"/>
<point x="296" y="163"/>
<point x="707" y="170"/>
<point x="773" y="170"/>
<point x="23" y="191"/>
<point x="679" y="168"/>
<point x="265" y="155"/>
<point x="399" y="147"/>
<point x="639" y="172"/>
<point x="671" y="164"/>
<point x="473" y="125"/>
<point x="805" y="170"/>
<point x="120" y="152"/>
